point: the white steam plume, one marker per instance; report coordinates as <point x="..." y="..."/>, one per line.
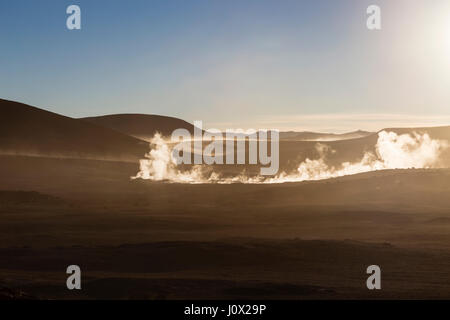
<point x="393" y="151"/>
<point x="160" y="165"/>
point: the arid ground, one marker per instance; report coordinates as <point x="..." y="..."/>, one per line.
<point x="62" y="204"/>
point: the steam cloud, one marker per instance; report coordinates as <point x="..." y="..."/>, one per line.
<point x="393" y="151"/>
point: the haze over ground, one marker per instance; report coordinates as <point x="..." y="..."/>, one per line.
<point x="364" y="154"/>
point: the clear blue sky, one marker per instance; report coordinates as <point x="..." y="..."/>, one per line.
<point x="290" y="64"/>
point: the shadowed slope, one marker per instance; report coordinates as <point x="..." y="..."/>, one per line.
<point x="28" y="130"/>
<point x="142" y="126"/>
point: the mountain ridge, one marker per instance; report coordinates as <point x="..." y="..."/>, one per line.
<point x="26" y="129"/>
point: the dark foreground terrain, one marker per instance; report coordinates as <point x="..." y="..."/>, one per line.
<point x="137" y="239"/>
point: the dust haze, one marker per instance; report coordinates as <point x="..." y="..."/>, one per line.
<point x="219" y="231"/>
<point x="393" y="151"/>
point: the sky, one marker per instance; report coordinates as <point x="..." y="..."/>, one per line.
<point x="285" y="64"/>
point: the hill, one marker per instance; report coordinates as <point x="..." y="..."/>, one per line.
<point x="141" y="126"/>
<point x="316" y="136"/>
<point x="27" y="130"/>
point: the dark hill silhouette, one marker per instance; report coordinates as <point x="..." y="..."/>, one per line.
<point x="27" y="130"/>
<point x="141" y="126"/>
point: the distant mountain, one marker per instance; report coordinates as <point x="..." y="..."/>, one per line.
<point x="442" y="132"/>
<point x="315" y="136"/>
<point x="141" y="126"/>
<point x="293" y="151"/>
<point x="26" y="130"/>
